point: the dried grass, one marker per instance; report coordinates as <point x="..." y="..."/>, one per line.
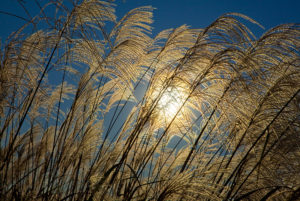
<point x="75" y="124"/>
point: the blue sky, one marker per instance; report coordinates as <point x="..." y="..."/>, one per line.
<point x="199" y="13"/>
<point x="173" y="13"/>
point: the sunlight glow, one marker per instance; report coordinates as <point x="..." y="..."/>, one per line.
<point x="171" y="102"/>
<point x="169" y="95"/>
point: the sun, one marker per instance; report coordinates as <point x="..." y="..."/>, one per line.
<point x="170" y="102"/>
<point x="168" y="99"/>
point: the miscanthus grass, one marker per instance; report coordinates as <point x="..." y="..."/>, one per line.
<point x="95" y="108"/>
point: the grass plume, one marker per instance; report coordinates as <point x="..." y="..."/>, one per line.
<point x="95" y="108"/>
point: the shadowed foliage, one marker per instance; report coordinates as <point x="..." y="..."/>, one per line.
<point x="95" y="108"/>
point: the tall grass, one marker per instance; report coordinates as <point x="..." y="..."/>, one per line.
<point x="95" y="108"/>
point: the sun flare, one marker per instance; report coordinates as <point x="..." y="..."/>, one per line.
<point x="168" y="95"/>
<point x="171" y="102"/>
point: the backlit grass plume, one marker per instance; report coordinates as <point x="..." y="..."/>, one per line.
<point x="95" y="108"/>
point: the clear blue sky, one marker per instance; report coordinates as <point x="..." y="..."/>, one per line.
<point x="173" y="13"/>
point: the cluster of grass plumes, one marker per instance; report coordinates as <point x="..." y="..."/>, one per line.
<point x="74" y="125"/>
